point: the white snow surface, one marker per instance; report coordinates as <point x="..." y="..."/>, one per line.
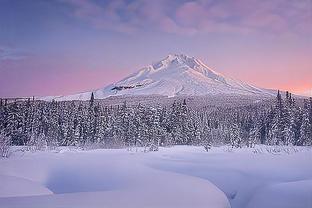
<point x="180" y="176"/>
<point x="99" y="178"/>
<point x="175" y="75"/>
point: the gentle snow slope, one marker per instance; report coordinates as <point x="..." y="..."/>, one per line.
<point x="181" y="176"/>
<point x="172" y="76"/>
<point x="249" y="180"/>
<point x="104" y="178"/>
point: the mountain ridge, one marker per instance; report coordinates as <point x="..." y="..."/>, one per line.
<point x="175" y="75"/>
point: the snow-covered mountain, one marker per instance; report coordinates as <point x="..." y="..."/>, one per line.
<point x="175" y="75"/>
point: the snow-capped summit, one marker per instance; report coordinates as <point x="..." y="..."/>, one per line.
<point x="184" y="62"/>
<point x="177" y="74"/>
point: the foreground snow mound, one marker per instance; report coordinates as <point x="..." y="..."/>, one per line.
<point x="284" y="195"/>
<point x="177" y="74"/>
<point x="180" y="176"/>
<point x="248" y="179"/>
<point x="101" y="178"/>
<point x="15" y="186"/>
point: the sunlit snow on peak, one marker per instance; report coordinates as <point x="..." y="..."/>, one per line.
<point x="176" y="74"/>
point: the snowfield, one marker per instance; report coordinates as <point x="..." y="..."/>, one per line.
<point x="180" y="176"/>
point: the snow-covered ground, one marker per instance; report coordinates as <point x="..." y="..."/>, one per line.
<point x="180" y="176"/>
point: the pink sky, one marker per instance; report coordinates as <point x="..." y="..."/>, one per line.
<point x="69" y="46"/>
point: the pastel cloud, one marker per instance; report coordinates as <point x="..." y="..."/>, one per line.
<point x="12" y="54"/>
<point x="190" y="17"/>
<point x="245" y="16"/>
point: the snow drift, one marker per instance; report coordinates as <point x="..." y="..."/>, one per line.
<point x="181" y="176"/>
<point x="100" y="178"/>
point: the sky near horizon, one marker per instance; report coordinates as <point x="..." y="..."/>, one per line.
<point x="53" y="47"/>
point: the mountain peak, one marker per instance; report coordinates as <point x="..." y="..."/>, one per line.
<point x="182" y="58"/>
<point x="176" y="74"/>
<point x="178" y="56"/>
<point x="175" y="60"/>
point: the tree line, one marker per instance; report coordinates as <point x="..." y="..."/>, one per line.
<point x="38" y="124"/>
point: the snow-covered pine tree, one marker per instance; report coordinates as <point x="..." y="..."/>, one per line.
<point x="27" y="120"/>
<point x="194" y="128"/>
<point x="276" y="128"/>
<point x="14" y="123"/>
<point x="91" y="102"/>
<point x="254" y="136"/>
<point x="289" y="121"/>
<point x="5" y="143"/>
<point x="305" y="129"/>
<point x="235" y="138"/>
<point x="184" y="123"/>
<point x="78" y="126"/>
<point x="154" y="127"/>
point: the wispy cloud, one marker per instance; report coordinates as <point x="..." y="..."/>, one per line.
<point x="8" y="53"/>
<point x="272" y="16"/>
<point x="198" y="16"/>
